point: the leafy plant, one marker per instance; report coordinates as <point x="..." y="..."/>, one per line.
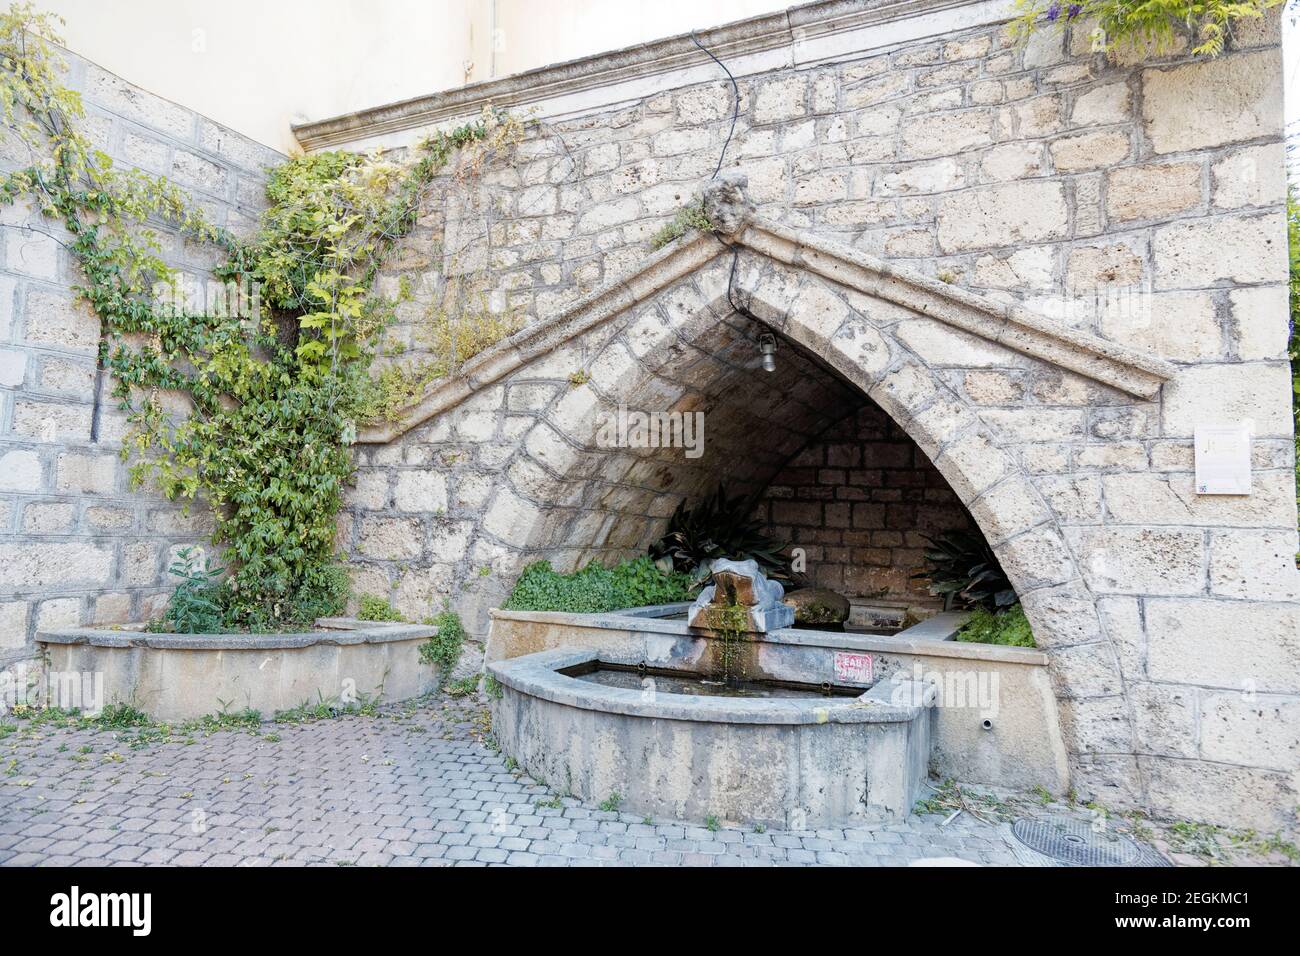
<point x="719" y="527"/>
<point x="121" y="716"/>
<point x="442" y="651"/>
<point x="326" y="709"/>
<point x="611" y="803"/>
<point x="688" y="218"/>
<point x="1293" y="342"/>
<point x="374" y="608"/>
<point x="459" y="325"/>
<point x="197" y="604"/>
<point x="1008" y="627"/>
<point x="595" y="588"/>
<point x="962" y="568"/>
<point x="464" y="686"/>
<point x="1133" y="24"/>
<point x="274" y="389"/>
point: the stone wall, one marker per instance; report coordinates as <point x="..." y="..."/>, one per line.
<point x="1138" y="202"/>
<point x="1140" y="205"/>
<point x="859" y="500"/>
<point x="77" y="544"/>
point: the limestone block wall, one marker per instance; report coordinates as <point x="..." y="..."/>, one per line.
<point x="77" y="545"/>
<point x="859" y="500"/>
<point x="1139" y="202"/>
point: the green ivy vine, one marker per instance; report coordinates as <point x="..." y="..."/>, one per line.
<point x="1293" y="339"/>
<point x="253" y="413"/>
<point x="1128" y="25"/>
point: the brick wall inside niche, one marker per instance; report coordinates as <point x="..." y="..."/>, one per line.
<point x="857" y="499"/>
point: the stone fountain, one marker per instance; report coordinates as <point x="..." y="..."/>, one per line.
<point x="741" y="598"/>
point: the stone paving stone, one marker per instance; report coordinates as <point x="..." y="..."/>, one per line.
<point x="381" y="791"/>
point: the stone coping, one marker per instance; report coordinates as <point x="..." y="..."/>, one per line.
<point x="804" y="35"/>
<point x="926" y="643"/>
<point x="537" y="675"/>
<point x="333" y="630"/>
<point x="1012" y="326"/>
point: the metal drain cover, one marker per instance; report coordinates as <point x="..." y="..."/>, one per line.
<point x="1077" y="843"/>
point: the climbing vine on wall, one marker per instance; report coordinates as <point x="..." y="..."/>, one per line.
<point x="1293" y="342"/>
<point x="251" y="411"/>
<point x="1125" y="25"/>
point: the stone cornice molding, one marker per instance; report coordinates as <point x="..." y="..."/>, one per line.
<point x="1012" y="326"/>
<point x="803" y="35"/>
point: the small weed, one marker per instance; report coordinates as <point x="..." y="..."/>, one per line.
<point x="688" y="218"/>
<point x="464" y="686"/>
<point x="611" y="803"/>
<point x="949" y="798"/>
<point x="711" y="824"/>
<point x="374" y="608"/>
<point x="323" y="709"/>
<point x="580" y="377"/>
<point x="225" y="719"/>
<point x="1220" y="845"/>
<point x="442" y="651"/>
<point x="120" y="717"/>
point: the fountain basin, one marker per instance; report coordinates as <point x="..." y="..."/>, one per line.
<point x="784" y="761"/>
<point x="1016" y="745"/>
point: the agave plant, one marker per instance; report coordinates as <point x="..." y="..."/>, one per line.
<point x="718" y="527"/>
<point x="962" y="568"/>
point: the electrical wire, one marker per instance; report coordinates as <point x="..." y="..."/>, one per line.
<point x="735" y="115"/>
<point x="735" y="99"/>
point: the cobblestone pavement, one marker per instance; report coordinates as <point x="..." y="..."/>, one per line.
<point x="412" y="786"/>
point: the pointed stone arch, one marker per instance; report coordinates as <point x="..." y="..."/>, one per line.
<point x="656" y="341"/>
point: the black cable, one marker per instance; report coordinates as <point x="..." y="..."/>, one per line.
<point x="735" y="115"/>
<point x="735" y="99"/>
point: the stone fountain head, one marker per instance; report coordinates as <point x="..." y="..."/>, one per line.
<point x="742" y="584"/>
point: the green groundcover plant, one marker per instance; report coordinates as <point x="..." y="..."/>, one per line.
<point x="1008" y="626"/>
<point x="1293" y="344"/>
<point x="595" y="588"/>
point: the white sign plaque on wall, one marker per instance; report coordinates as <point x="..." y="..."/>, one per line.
<point x="1223" y="459"/>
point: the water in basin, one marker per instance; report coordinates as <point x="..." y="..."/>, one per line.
<point x="848" y="627"/>
<point x="698" y="685"/>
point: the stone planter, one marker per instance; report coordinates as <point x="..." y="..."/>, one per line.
<point x="183" y="676"/>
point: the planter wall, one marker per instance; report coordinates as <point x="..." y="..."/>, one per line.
<point x="182" y="676"/>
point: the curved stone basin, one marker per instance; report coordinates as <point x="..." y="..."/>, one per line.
<point x="780" y="761"/>
<point x="184" y="676"/>
<point x="996" y="723"/>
